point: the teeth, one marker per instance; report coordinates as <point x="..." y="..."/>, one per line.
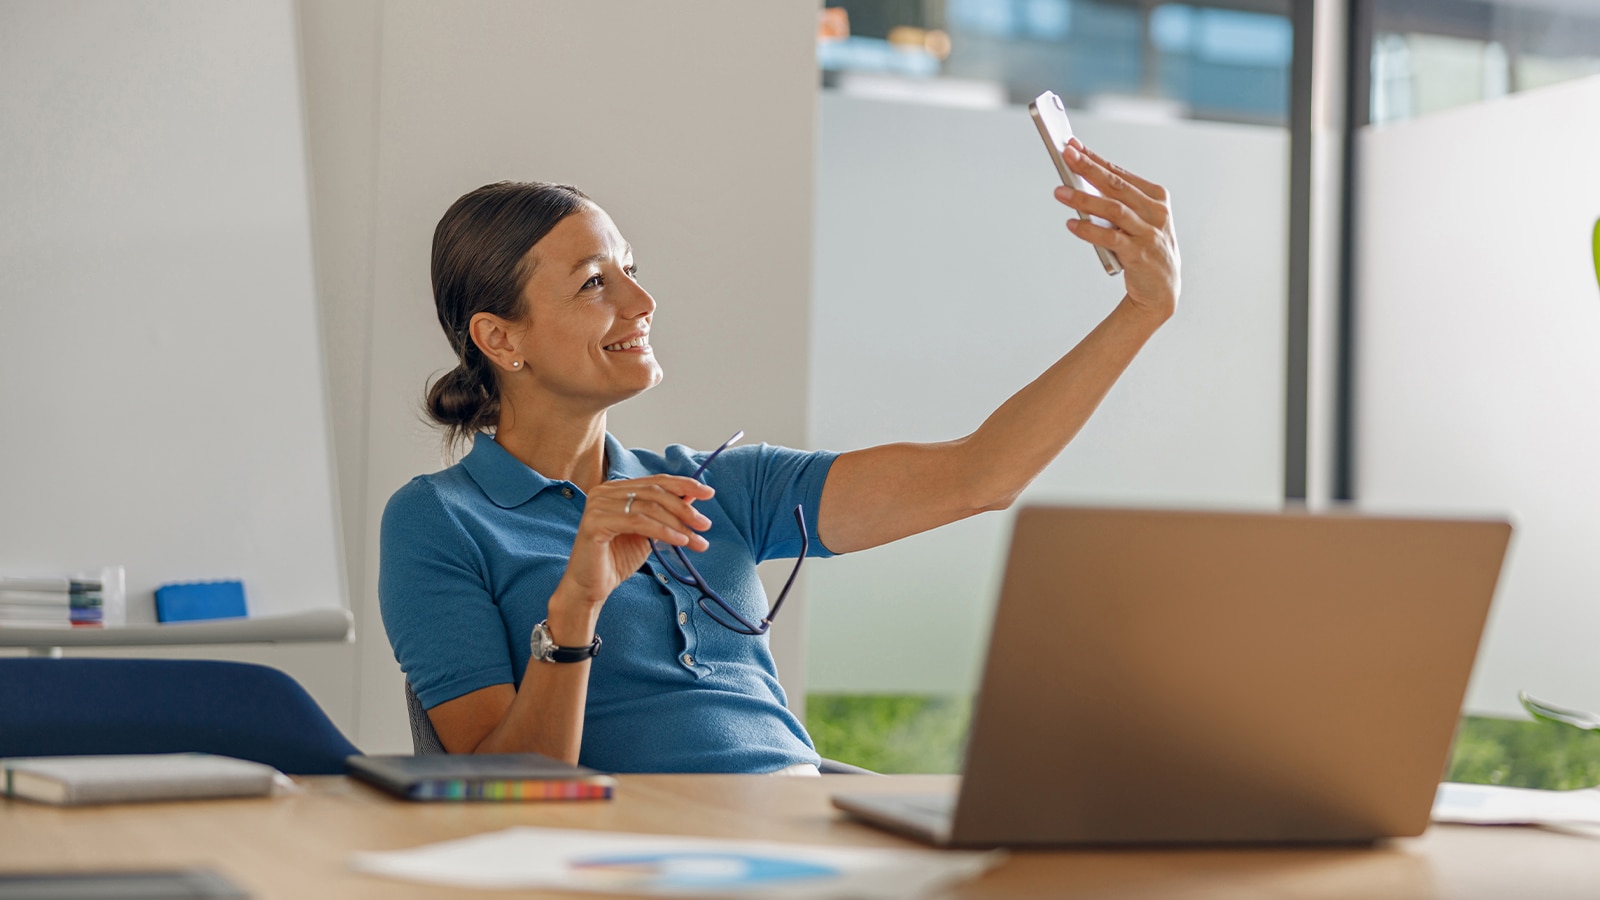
<point x="640" y="341"/>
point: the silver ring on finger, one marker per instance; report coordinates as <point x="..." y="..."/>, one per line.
<point x="627" y="508"/>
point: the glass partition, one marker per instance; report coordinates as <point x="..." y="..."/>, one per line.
<point x="1432" y="55"/>
<point x="1476" y="309"/>
<point x="944" y="281"/>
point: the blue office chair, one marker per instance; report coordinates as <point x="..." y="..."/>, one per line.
<point x="424" y="740"/>
<point x="65" y="707"/>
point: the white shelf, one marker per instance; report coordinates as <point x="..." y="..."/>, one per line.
<point x="333" y="624"/>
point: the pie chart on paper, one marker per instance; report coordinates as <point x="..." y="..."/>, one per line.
<point x="686" y="870"/>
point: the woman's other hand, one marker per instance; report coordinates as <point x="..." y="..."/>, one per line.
<point x="1143" y="239"/>
<point x="620" y="519"/>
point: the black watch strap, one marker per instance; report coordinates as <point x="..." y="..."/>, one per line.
<point x="575" y="654"/>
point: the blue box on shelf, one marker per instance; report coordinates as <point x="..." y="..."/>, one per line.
<point x="197" y="600"/>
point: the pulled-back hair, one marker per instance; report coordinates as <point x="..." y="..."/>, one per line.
<point x="481" y="264"/>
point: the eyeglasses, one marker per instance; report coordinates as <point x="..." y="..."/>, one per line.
<point x="710" y="603"/>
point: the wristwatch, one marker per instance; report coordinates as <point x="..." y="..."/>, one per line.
<point x="545" y="649"/>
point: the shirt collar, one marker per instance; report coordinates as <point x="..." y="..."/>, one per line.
<point x="509" y="483"/>
<point x="500" y="475"/>
<point x="621" y="463"/>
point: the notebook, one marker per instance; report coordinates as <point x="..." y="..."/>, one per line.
<point x="79" y="780"/>
<point x="139" y="884"/>
<point x="1158" y="677"/>
<point x="509" y="776"/>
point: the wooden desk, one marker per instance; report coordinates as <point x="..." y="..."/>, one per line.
<point x="295" y="846"/>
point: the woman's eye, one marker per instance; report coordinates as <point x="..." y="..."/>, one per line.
<point x="633" y="271"/>
<point x="594" y="281"/>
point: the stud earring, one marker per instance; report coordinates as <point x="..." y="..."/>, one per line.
<point x="517" y="364"/>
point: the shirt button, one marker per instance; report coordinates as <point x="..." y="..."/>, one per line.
<point x="566" y="492"/>
<point x="683" y="618"/>
<point x="688" y="660"/>
<point x="661" y="577"/>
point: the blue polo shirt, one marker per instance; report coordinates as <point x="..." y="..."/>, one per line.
<point x="470" y="556"/>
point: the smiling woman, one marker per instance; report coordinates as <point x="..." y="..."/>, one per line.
<point x="499" y="575"/>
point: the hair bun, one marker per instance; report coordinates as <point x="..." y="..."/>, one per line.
<point x="461" y="402"/>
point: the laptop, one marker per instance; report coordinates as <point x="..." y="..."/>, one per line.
<point x="1165" y="677"/>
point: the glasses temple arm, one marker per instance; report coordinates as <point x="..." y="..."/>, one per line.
<point x="805" y="547"/>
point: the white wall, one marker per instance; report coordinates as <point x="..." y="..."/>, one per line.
<point x="158" y="329"/>
<point x="1477" y="373"/>
<point x="338" y="45"/>
<point x="946" y="280"/>
<point x="161" y="372"/>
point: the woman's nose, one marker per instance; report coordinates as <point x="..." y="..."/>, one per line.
<point x="640" y="303"/>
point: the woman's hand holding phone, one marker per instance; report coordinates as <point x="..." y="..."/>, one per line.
<point x="1143" y="237"/>
<point x="1127" y="219"/>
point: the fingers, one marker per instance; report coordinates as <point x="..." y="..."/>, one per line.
<point x="1146" y="198"/>
<point x="653" y="508"/>
<point x="1114" y="211"/>
<point x="1112" y="239"/>
<point x="679" y="485"/>
<point x="1150" y="188"/>
<point x="656" y="508"/>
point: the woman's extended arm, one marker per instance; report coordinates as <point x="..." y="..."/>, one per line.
<point x="885" y="493"/>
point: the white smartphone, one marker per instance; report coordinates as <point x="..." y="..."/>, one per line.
<point x="1050" y="114"/>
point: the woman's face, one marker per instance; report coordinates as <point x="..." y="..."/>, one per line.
<point x="587" y="333"/>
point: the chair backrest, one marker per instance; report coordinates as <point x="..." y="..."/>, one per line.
<point x="424" y="740"/>
<point x="63" y="707"/>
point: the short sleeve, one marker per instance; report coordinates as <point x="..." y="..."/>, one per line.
<point x="759" y="485"/>
<point x="441" y="619"/>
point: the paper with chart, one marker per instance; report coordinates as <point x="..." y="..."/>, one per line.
<point x="659" y="865"/>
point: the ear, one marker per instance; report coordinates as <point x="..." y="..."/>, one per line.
<point x="498" y="341"/>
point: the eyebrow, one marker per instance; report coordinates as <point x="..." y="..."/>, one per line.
<point x="597" y="257"/>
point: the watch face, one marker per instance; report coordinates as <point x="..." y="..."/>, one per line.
<point x="541" y="643"/>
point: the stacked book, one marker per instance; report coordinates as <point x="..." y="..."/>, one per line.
<point x="51" y="603"/>
<point x="74" y="780"/>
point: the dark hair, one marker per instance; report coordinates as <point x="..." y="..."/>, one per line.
<point x="481" y="264"/>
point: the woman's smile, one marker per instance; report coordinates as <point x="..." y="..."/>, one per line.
<point x="638" y="343"/>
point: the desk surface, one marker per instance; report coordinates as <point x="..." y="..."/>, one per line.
<point x="295" y="846"/>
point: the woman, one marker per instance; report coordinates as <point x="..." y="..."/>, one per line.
<point x="502" y="576"/>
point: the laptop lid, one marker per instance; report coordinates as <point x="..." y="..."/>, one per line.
<point x="1158" y="676"/>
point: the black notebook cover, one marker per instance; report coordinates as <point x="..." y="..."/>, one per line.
<point x="508" y="776"/>
<point x="155" y="884"/>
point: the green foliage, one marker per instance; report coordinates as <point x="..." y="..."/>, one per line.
<point x="1597" y="249"/>
<point x="890" y="733"/>
<point x="1524" y="753"/>
<point x="899" y="733"/>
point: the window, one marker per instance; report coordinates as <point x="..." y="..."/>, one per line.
<point x="1433" y="55"/>
<point x="1227" y="60"/>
